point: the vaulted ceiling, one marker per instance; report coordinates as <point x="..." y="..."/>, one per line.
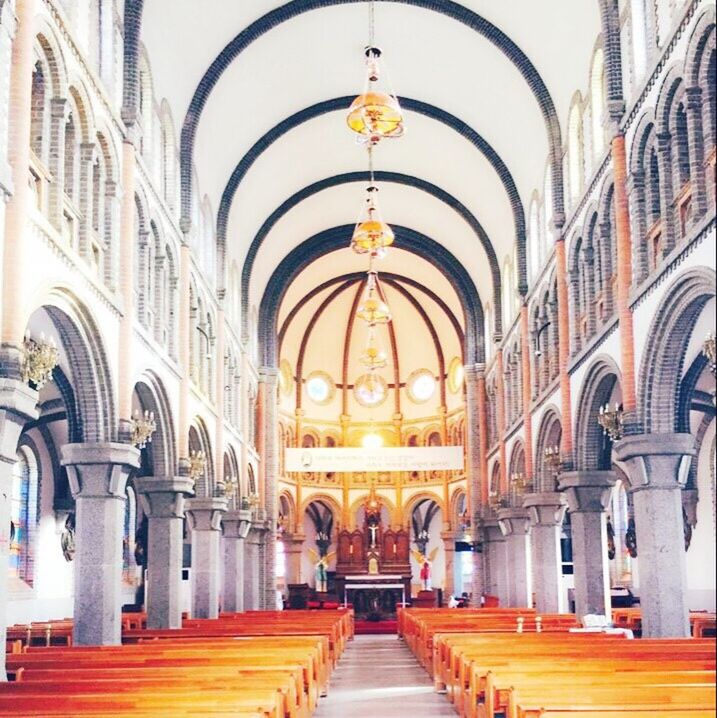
<point x="261" y="89"/>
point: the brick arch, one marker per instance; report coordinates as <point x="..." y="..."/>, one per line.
<point x="133" y="12"/>
<point x="549" y="435"/>
<point x="703" y="32"/>
<point x="665" y="353"/>
<point x="422" y="108"/>
<point x="91" y="381"/>
<point x="672" y="85"/>
<point x="333" y="239"/>
<point x="152" y="396"/>
<point x="381" y="176"/>
<point x="601" y="379"/>
<point x="327" y="500"/>
<point x="417" y="499"/>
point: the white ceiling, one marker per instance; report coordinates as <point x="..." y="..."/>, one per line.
<point x="318" y="56"/>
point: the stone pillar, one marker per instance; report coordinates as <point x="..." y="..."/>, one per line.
<point x="658" y="467"/>
<point x="17" y="406"/>
<point x="293" y="547"/>
<point x="449" y="548"/>
<point x="252" y="587"/>
<point x="98" y="474"/>
<point x="547" y="511"/>
<point x="163" y="502"/>
<point x="88" y="155"/>
<point x="667" y="209"/>
<point x="588" y="494"/>
<point x="493" y="558"/>
<point x="205" y="519"/>
<point x="526" y="381"/>
<point x="515" y="525"/>
<point x="268" y="379"/>
<point x="236" y="525"/>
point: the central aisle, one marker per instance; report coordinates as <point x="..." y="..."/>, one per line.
<point x="378" y="677"/>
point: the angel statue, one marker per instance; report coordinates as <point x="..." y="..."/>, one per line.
<point x="425" y="561"/>
<point x="321" y="568"/>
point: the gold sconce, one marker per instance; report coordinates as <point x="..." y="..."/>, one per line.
<point x="143" y="427"/>
<point x="611" y="421"/>
<point x="39" y="360"/>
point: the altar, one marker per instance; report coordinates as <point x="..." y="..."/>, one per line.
<point x="377" y="593"/>
<point x="373" y="564"/>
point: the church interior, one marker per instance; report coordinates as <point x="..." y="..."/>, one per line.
<point x="358" y="357"/>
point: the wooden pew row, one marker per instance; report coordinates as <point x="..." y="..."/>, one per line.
<point x="564" y="656"/>
<point x="272" y="675"/>
<point x="702" y="623"/>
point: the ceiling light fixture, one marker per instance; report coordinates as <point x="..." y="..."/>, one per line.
<point x="373" y="357"/>
<point x="376" y="113"/>
<point x="373" y="310"/>
<point x="371" y="235"/>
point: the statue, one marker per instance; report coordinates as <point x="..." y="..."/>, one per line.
<point x="426" y="563"/>
<point x="321" y="568"/>
<point x="67" y="538"/>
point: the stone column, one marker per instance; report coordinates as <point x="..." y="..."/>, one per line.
<point x="449" y="548"/>
<point x="98" y="474"/>
<point x="163" y="502"/>
<point x="588" y="494"/>
<point x="88" y="154"/>
<point x="205" y="519"/>
<point x="17" y="406"/>
<point x="547" y="511"/>
<point x="268" y="380"/>
<point x="493" y="559"/>
<point x="293" y="547"/>
<point x="658" y="467"/>
<point x="566" y="407"/>
<point x="252" y="587"/>
<point x="515" y="525"/>
<point x="236" y="525"/>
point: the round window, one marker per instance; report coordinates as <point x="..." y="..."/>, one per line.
<point x="421" y="386"/>
<point x="320" y="387"/>
<point x="370" y="390"/>
<point x="456" y="375"/>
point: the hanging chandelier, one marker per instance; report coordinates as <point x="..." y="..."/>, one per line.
<point x="39" y="360"/>
<point x="373" y="310"/>
<point x="372" y="235"/>
<point x="376" y="113"/>
<point x="373" y="357"/>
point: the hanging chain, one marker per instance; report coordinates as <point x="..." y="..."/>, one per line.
<point x="370" y="163"/>
<point x="371" y="22"/>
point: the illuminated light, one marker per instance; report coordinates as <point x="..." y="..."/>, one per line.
<point x="372" y="441"/>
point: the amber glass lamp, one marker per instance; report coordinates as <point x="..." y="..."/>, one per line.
<point x="375" y="114"/>
<point x="372" y="235"/>
<point x="373" y="357"/>
<point x="373" y="310"/>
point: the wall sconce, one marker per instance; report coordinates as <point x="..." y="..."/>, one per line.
<point x="611" y="421"/>
<point x="39" y="360"/>
<point x="143" y="427"/>
<point x="197" y="465"/>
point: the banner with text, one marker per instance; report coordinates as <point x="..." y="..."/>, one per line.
<point x="409" y="458"/>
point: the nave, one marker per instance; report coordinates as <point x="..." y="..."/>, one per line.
<point x="378" y="676"/>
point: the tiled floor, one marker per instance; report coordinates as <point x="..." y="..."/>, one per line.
<point x="378" y="677"/>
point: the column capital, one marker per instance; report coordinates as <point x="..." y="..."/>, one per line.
<point x="88" y="151"/>
<point x="656" y="461"/>
<point x="163" y="497"/>
<point x="18" y="405"/>
<point x="473" y="372"/>
<point x="588" y="491"/>
<point x="99" y="469"/>
<point x="205" y="514"/>
<point x="514" y="521"/>
<point x="546" y="509"/>
<point x="236" y="524"/>
<point x="58" y="108"/>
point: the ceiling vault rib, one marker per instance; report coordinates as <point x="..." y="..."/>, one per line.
<point x="434" y="336"/>
<point x="334" y="239"/>
<point x="394" y="355"/>
<point x="308" y="297"/>
<point x="307" y="334"/>
<point x="363" y="176"/>
<point x="292" y="9"/>
<point x="347" y="348"/>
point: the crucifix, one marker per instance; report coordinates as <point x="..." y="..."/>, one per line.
<point x="373" y="529"/>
